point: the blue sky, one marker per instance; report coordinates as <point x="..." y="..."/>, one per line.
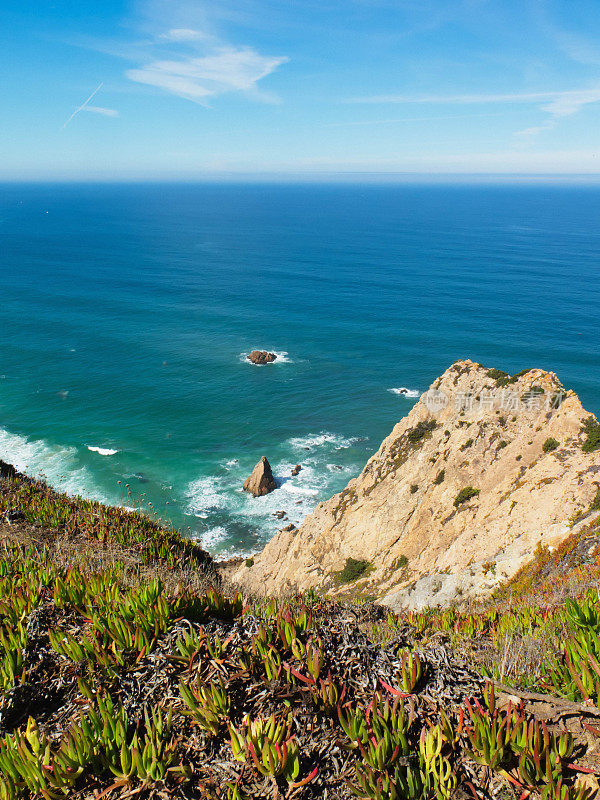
<point x="186" y="89"/>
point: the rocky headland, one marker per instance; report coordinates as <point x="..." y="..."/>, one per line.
<point x="483" y="470"/>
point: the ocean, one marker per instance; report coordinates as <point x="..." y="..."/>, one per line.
<point x="127" y="310"/>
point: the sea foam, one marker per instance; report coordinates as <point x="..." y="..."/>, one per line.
<point x="219" y="497"/>
<point x="58" y="465"/>
<point x="103" y="451"/>
<point x="404" y="392"/>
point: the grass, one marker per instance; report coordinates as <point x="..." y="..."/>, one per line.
<point x="439" y="478"/>
<point x="32" y="501"/>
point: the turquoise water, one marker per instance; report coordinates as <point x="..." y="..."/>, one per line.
<point x="126" y="310"/>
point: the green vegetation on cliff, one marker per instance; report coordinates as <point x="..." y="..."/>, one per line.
<point x="123" y="674"/>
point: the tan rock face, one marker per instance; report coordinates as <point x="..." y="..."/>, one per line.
<point x="261" y="357"/>
<point x="261" y="480"/>
<point x="470" y="431"/>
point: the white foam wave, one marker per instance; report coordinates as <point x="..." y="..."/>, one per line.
<point x="103" y="451"/>
<point x="404" y="392"/>
<point x="53" y="463"/>
<point x="205" y="495"/>
<point x="220" y="497"/>
<point x="282" y="357"/>
<point x="213" y="536"/>
<point x="320" y="439"/>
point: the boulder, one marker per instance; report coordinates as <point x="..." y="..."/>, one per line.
<point x="296" y="469"/>
<point x="261" y="357"/>
<point x="7" y="470"/>
<point x="261" y="480"/>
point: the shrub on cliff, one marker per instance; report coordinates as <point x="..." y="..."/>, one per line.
<point x="353" y="570"/>
<point x="550" y="444"/>
<point x="592" y="430"/>
<point x="465" y="494"/>
<point x="421" y="428"/>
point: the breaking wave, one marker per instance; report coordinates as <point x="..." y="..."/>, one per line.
<point x="220" y="502"/>
<point x="404" y="392"/>
<point x="103" y="451"/>
<point x="57" y="465"/>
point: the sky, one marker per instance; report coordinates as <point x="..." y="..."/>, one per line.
<point x="192" y="89"/>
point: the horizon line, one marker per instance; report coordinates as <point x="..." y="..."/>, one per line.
<point x="316" y="176"/>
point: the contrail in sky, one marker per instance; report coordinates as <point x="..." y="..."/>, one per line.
<point x="83" y="105"/>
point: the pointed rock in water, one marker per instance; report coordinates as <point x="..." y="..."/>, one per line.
<point x="261" y="357"/>
<point x="261" y="480"/>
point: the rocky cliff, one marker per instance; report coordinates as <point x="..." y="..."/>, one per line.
<point x="484" y="469"/>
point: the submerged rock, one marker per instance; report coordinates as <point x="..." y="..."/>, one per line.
<point x="261" y="357"/>
<point x="261" y="480"/>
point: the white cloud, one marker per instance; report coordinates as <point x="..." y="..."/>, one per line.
<point x="184" y="35"/>
<point x="218" y="68"/>
<point x="467" y="99"/>
<point x="105" y="112"/>
<point x="557" y="105"/>
<point x="563" y="104"/>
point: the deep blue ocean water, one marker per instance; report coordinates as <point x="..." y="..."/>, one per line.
<point x="126" y="311"/>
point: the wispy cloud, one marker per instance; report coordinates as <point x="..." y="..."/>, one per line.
<point x="104" y="112"/>
<point x="184" y="35"/>
<point x="562" y="105"/>
<point x="187" y="55"/>
<point x="197" y="78"/>
<point x="468" y="99"/>
<point x="393" y="121"/>
<point x="556" y="104"/>
<point x="85" y="106"/>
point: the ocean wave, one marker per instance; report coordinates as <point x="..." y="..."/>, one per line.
<point x="103" y="451"/>
<point x="204" y="495"/>
<point x="57" y="465"/>
<point x="213" y="536"/>
<point x="219" y="500"/>
<point x="282" y="357"/>
<point x="404" y="392"/>
<point x="320" y="439"/>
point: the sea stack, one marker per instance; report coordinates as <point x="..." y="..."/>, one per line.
<point x="261" y="480"/>
<point x="261" y="357"/>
